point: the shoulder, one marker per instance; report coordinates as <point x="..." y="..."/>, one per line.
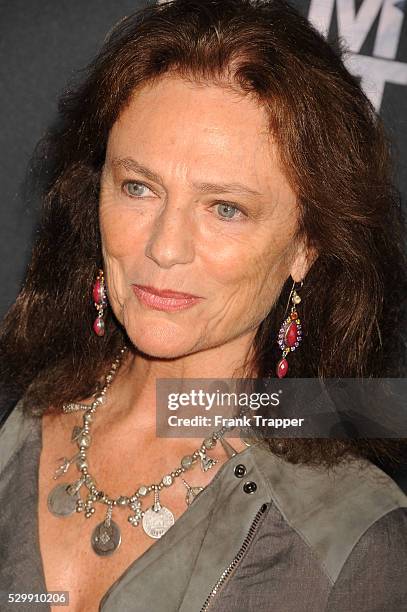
<point x="335" y="511"/>
<point x="331" y="540"/>
<point x="372" y="579"/>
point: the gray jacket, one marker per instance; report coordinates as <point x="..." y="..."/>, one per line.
<point x="297" y="538"/>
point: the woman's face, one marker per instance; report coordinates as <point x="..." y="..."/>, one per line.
<point x="193" y="200"/>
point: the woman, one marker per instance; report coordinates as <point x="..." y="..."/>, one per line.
<point x="217" y="160"/>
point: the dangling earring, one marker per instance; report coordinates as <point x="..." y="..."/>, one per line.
<point x="99" y="298"/>
<point x="290" y="333"/>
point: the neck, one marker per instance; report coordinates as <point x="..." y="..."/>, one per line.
<point x="134" y="389"/>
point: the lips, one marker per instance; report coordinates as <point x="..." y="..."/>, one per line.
<point x="166" y="293"/>
<point x="164" y="299"/>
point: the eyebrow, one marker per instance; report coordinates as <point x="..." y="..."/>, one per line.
<point x="237" y="188"/>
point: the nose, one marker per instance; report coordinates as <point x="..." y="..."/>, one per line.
<point x="171" y="240"/>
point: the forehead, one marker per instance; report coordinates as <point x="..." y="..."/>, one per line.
<point x="202" y="117"/>
<point x="202" y="103"/>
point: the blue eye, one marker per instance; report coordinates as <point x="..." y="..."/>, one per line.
<point x="133" y="188"/>
<point x="227" y="211"/>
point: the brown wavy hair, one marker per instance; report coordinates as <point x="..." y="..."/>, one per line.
<point x="335" y="155"/>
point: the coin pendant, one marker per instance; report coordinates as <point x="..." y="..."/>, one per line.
<point x="157" y="522"/>
<point x="106" y="539"/>
<point x="60" y="502"/>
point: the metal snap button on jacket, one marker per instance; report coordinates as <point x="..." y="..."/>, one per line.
<point x="249" y="487"/>
<point x="240" y="470"/>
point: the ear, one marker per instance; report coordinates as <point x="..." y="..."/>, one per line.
<point x="304" y="257"/>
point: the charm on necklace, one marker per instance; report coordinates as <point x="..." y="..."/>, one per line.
<point x="157" y="519"/>
<point x="65" y="465"/>
<point x="106" y="537"/>
<point x="206" y="462"/>
<point x="135" y="505"/>
<point x="192" y="492"/>
<point x="62" y="500"/>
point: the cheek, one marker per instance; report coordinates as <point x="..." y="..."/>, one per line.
<point x="118" y="232"/>
<point x="253" y="262"/>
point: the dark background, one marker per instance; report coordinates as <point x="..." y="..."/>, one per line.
<point x="43" y="43"/>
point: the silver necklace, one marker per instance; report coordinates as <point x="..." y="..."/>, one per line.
<point x="65" y="499"/>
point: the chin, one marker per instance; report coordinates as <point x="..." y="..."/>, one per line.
<point x="163" y="341"/>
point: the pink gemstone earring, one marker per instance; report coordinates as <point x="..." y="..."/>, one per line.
<point x="100" y="300"/>
<point x="290" y="334"/>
